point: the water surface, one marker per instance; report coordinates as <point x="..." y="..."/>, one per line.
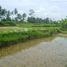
<point x="44" y="54"/>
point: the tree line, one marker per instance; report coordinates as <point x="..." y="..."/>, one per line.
<point x="11" y="15"/>
<point x="8" y="17"/>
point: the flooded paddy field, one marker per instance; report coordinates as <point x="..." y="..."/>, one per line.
<point x="51" y="53"/>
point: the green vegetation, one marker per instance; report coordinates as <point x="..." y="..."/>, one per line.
<point x="11" y="37"/>
<point x="19" y="29"/>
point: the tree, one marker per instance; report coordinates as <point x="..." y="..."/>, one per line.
<point x="19" y="17"/>
<point x="0" y="12"/>
<point x="15" y="11"/>
<point x="8" y="16"/>
<point x="31" y="19"/>
<point x="24" y="16"/>
<point x="64" y="23"/>
<point x="47" y="20"/>
<point x="4" y="12"/>
<point x="31" y="12"/>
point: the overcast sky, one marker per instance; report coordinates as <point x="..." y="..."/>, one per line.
<point x="43" y="8"/>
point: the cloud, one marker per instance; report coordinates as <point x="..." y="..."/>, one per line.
<point x="50" y="8"/>
<point x="59" y="0"/>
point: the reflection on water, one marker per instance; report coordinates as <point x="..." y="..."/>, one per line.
<point x="45" y="54"/>
<point x="21" y="46"/>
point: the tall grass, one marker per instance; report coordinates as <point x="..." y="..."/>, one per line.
<point x="10" y="38"/>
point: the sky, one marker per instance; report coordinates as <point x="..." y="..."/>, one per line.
<point x="55" y="9"/>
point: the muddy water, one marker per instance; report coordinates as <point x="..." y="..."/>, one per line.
<point x="44" y="54"/>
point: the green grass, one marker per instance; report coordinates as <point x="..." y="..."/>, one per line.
<point x="12" y="35"/>
<point x="24" y="32"/>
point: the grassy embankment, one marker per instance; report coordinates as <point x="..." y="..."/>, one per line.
<point x="13" y="35"/>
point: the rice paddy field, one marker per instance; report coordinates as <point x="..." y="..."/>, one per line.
<point x="16" y="39"/>
<point x="15" y="34"/>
